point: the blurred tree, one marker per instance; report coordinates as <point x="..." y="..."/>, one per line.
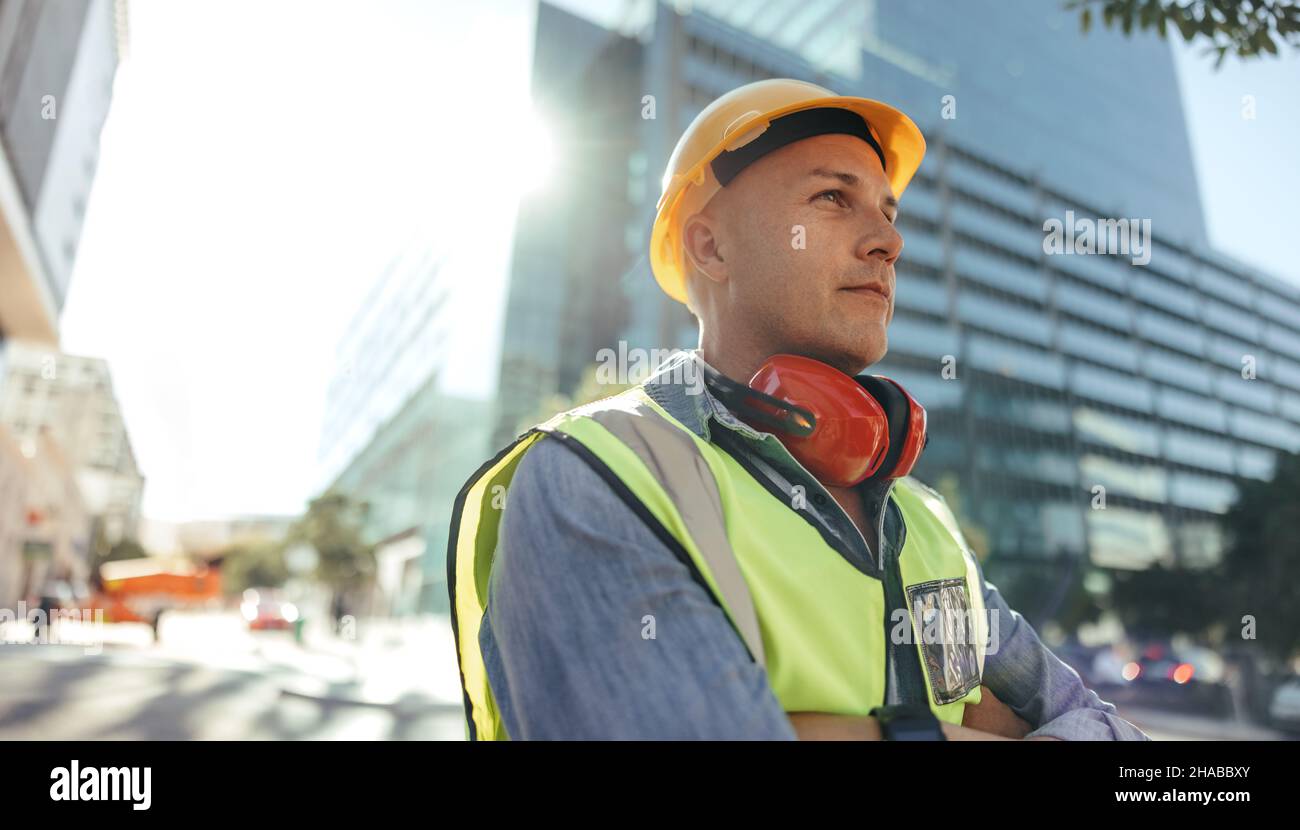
<point x="1161" y="601"/>
<point x="1256" y="576"/>
<point x="1261" y="568"/>
<point x="253" y="565"/>
<point x="1242" y="27"/>
<point x="333" y="526"/>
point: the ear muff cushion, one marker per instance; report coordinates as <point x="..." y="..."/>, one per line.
<point x="897" y="413"/>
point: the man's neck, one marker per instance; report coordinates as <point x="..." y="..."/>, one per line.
<point x="736" y="361"/>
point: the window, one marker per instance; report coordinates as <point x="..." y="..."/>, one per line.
<point x="1141" y="481"/>
<point x="1200" y="492"/>
<point x="1280" y="309"/>
<point x="1169" y="331"/>
<point x="1012" y="360"/>
<point x="1265" y="430"/>
<point x="1255" y="462"/>
<point x="1232" y="320"/>
<point x="921" y="294"/>
<point x="1284" y="371"/>
<point x="1164" y="294"/>
<point x="1004" y="318"/>
<point x="977" y="262"/>
<point x="1253" y="393"/>
<point x="1222" y="284"/>
<point x="1123" y="432"/>
<point x="1048" y="466"/>
<point x="1093" y="305"/>
<point x="1111" y="387"/>
<point x="1197" y="450"/>
<point x="924" y="248"/>
<point x="1175" y="370"/>
<point x="1035" y="413"/>
<point x="1191" y="409"/>
<point x="1120" y="537"/>
<point x="922" y="338"/>
<point x="1099" y="346"/>
<point x="1228" y="352"/>
<point x="1282" y="340"/>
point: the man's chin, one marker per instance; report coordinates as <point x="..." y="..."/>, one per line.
<point x="854" y="358"/>
<point x="868" y="349"/>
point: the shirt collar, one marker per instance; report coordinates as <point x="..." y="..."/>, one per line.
<point x="678" y="386"/>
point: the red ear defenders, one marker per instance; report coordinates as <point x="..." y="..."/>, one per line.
<point x="843" y="429"/>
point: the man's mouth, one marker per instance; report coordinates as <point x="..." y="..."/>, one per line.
<point x="868" y="290"/>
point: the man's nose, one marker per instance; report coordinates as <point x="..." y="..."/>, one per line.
<point x="881" y="241"/>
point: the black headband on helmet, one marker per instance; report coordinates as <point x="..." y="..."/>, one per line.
<point x="791" y="128"/>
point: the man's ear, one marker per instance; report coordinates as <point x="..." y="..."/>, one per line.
<point x="700" y="241"/>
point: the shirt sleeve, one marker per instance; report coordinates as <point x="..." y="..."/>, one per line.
<point x="595" y="630"/>
<point x="1040" y="688"/>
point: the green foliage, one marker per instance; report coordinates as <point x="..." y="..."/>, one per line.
<point x="1261" y="568"/>
<point x="125" y="549"/>
<point x="1245" y="28"/>
<point x="333" y="526"/>
<point x="1256" y="577"/>
<point x="253" y="565"/>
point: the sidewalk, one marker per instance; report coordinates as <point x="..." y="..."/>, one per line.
<point x="405" y="663"/>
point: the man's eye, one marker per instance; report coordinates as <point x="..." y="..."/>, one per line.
<point x="837" y="196"/>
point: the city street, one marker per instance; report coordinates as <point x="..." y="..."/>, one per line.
<point x="210" y="678"/>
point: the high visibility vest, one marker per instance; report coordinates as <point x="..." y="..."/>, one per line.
<point x="815" y="622"/>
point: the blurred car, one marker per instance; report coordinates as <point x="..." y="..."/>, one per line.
<point x="267" y="610"/>
<point x="1180" y="676"/>
<point x="1284" y="708"/>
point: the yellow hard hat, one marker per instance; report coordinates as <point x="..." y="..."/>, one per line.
<point x="736" y="119"/>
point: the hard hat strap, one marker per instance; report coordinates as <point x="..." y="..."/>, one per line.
<point x="791" y="128"/>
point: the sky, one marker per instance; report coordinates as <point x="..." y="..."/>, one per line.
<point x="260" y="165"/>
<point x="263" y="161"/>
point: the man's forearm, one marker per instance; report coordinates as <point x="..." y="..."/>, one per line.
<point x="823" y="726"/>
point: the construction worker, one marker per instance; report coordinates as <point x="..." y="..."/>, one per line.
<point x="747" y="557"/>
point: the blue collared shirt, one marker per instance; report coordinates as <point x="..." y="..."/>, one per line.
<point x="595" y="630"/>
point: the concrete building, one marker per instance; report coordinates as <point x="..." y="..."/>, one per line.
<point x="72" y="399"/>
<point x="57" y="64"/>
<point x="208" y="538"/>
<point x="49" y="540"/>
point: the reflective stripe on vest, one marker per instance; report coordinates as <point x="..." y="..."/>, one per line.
<point x="814" y="621"/>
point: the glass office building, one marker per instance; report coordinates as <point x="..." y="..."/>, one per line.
<point x="1164" y="384"/>
<point x="398" y="435"/>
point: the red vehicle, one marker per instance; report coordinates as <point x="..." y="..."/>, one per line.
<point x="266" y="609"/>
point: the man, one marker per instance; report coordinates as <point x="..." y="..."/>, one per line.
<point x="655" y="566"/>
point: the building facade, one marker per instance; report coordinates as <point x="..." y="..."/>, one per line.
<point x="396" y="436"/>
<point x="57" y="65"/>
<point x="1085" y="408"/>
<point x="66" y="468"/>
<point x="70" y="399"/>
